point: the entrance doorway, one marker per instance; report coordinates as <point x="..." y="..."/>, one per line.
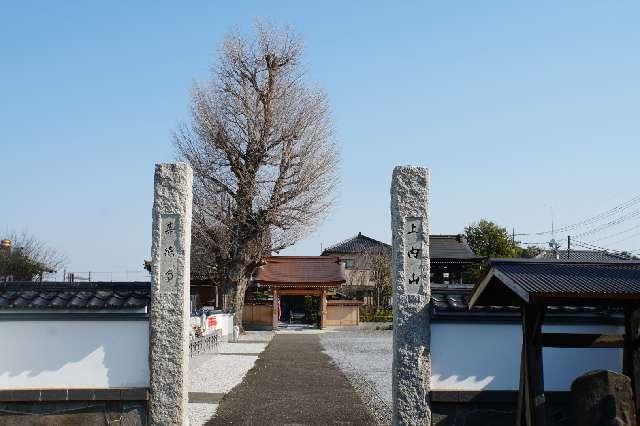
<point x="300" y="310"/>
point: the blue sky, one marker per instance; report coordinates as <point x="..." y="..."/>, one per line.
<point x="517" y="109"/>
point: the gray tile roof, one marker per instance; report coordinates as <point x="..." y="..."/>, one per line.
<point x="453" y="247"/>
<point x="90" y="296"/>
<point x="355" y="245"/>
<point x="450" y="247"/>
<point x="553" y="281"/>
<point x="581" y="255"/>
<point x="451" y="302"/>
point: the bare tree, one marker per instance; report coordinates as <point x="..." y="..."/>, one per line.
<point x="261" y="144"/>
<point x="380" y="263"/>
<point x="46" y="258"/>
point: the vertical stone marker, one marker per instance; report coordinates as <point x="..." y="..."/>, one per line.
<point x="169" y="315"/>
<point x="411" y="295"/>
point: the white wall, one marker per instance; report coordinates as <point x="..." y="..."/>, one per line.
<point x="73" y="354"/>
<point x="487" y="356"/>
<point x="224" y="324"/>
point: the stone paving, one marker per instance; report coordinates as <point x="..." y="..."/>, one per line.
<point x="293" y="382"/>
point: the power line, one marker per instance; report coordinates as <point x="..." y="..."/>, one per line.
<point x="591" y="220"/>
<point x="625" y="238"/>
<point x="603" y="249"/>
<point x="616" y="234"/>
<point x="621" y="219"/>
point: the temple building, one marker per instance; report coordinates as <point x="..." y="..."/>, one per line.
<point x="298" y="288"/>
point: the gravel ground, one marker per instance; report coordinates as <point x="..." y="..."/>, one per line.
<point x="293" y="383"/>
<point x="365" y="356"/>
<point x="219" y="373"/>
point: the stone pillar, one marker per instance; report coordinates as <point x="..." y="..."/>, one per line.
<point x="411" y="296"/>
<point x="169" y="311"/>
<point x="276" y="307"/>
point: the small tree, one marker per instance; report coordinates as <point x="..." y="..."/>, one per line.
<point x="263" y="153"/>
<point x="488" y="239"/>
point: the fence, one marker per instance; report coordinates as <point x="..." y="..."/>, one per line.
<point x="206" y="344"/>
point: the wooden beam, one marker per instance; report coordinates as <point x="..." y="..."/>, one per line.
<point x="323" y="309"/>
<point x="631" y="353"/>
<point x="276" y="306"/>
<point x="521" y="419"/>
<point x="532" y="316"/>
<point x="582" y="340"/>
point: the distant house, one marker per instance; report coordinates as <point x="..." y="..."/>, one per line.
<point x="581" y="255"/>
<point x="449" y="255"/>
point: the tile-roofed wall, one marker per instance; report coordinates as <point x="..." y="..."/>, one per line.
<point x="452" y="300"/>
<point x="73" y="296"/>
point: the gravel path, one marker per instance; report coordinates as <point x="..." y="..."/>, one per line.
<point x="365" y="356"/>
<point x="216" y="374"/>
<point x="293" y="383"/>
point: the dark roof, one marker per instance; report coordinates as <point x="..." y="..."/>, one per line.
<point x="449" y="302"/>
<point x="301" y="270"/>
<point x="450" y="247"/>
<point x="581" y="255"/>
<point x="91" y="296"/>
<point x="357" y="244"/>
<point x="513" y="281"/>
<point x="441" y="247"/>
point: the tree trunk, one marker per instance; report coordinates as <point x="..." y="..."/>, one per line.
<point x="238" y="282"/>
<point x="238" y="302"/>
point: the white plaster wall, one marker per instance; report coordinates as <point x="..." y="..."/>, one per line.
<point x="487" y="356"/>
<point x="225" y="325"/>
<point x="74" y="354"/>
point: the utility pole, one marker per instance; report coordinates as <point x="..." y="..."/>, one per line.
<point x="513" y="236"/>
<point x="568" y="246"/>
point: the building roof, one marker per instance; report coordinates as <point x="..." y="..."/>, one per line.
<point x="69" y="296"/>
<point x="580" y="255"/>
<point x="450" y="247"/>
<point x="441" y="247"/>
<point x="301" y="270"/>
<point x="449" y="302"/>
<point x="356" y="244"/>
<point x="516" y="281"/>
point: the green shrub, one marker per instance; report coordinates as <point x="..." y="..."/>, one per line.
<point x="369" y="313"/>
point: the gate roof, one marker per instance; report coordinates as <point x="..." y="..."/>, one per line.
<point x="301" y="271"/>
<point x="514" y="281"/>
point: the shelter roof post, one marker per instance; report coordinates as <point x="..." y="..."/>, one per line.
<point x="631" y="354"/>
<point x="534" y="399"/>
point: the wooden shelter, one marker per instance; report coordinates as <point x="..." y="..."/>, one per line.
<point x="536" y="285"/>
<point x="301" y="276"/>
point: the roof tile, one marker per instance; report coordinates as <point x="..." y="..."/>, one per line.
<point x="450" y="247"/>
<point x="94" y="296"/>
<point x="319" y="270"/>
